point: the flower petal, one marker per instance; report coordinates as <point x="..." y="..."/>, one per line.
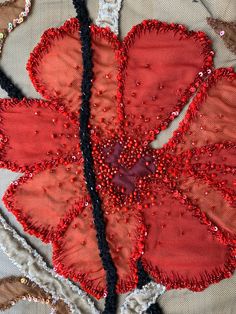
<point x="211" y="116"/>
<point x="205" y="144"/>
<point x="55" y="65"/>
<point x="56" y="70"/>
<point x="160" y="73"/>
<point x="43" y="201"/>
<point x="209" y="181"/>
<point x="76" y="255"/>
<point x="104" y="108"/>
<point x="33" y="131"/>
<point x="189" y="254"/>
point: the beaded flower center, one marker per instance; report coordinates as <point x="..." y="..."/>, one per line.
<point x="124" y="169"/>
<point x="127" y="178"/>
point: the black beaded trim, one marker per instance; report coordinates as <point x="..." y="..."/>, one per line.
<point x="6" y="84"/>
<point x="108" y="264"/>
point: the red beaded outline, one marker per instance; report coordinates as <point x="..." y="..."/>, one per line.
<point x="41" y="49"/>
<point x="45" y="234"/>
<point x="70" y="26"/>
<point x="222" y="236"/>
<point x="150" y="25"/>
<point x="183" y="283"/>
<point x="120" y="53"/>
<point x="122" y="287"/>
<point x="227" y="193"/>
<point x="52" y="105"/>
<point x="207" y="279"/>
<point x="121" y="50"/>
<point x="196" y="103"/>
<point x="172" y="144"/>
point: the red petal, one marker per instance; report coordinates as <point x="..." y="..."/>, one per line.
<point x="34" y="131"/>
<point x="76" y="255"/>
<point x="55" y="65"/>
<point x="211" y="202"/>
<point x="211" y="118"/>
<point x="104" y="112"/>
<point x="189" y="254"/>
<point x="43" y="201"/>
<point x="161" y="71"/>
<point x="218" y="168"/>
<point x="56" y="68"/>
<point x="206" y="142"/>
<point x="210" y="184"/>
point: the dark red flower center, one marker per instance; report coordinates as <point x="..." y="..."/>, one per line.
<point x="126" y="178"/>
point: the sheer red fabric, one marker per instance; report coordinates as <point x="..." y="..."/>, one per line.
<point x="35" y="131"/>
<point x="206" y="142"/>
<point x="179" y="251"/>
<point x="57" y="73"/>
<point x="161" y="72"/>
<point x="166" y="206"/>
<point x="50" y="195"/>
<point x="77" y="254"/>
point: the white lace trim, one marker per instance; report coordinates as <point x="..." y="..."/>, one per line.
<point x="32" y="265"/>
<point x="108" y="15"/>
<point x="140" y="300"/>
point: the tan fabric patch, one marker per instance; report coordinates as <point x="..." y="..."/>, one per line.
<point x="14" y="289"/>
<point x="10" y="10"/>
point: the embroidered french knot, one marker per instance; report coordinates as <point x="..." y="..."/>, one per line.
<point x="167" y="207"/>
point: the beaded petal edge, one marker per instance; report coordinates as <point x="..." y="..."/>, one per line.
<point x="222" y="236"/>
<point x="33" y="266"/>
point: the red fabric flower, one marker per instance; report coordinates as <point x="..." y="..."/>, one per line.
<point x="173" y="207"/>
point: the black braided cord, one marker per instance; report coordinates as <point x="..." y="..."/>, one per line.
<point x="144" y="279"/>
<point x="86" y="148"/>
<point x="6" y="84"/>
<point x="154" y="309"/>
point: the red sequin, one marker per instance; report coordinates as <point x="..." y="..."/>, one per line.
<point x="168" y="206"/>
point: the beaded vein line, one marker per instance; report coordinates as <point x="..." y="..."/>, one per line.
<point x="125" y="168"/>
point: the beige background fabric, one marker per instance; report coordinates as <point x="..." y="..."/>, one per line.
<point x="217" y="299"/>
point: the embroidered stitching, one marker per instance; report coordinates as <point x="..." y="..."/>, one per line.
<point x="162" y="172"/>
<point x="32" y="265"/>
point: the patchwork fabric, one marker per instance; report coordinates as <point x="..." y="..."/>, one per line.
<point x="167" y="206"/>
